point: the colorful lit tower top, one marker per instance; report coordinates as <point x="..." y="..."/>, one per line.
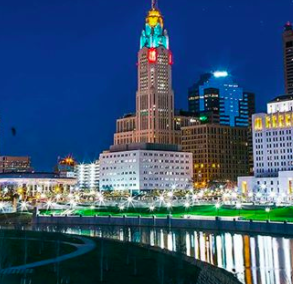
<point x="154" y="34"/>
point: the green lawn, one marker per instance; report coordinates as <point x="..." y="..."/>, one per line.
<point x="276" y="213"/>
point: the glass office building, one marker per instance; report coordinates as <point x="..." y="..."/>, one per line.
<point x="217" y="93"/>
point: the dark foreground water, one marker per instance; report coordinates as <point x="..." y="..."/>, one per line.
<point x="253" y="259"/>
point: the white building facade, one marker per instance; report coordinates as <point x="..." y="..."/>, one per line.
<point x="88" y="175"/>
<point x="145" y="167"/>
<point x="273" y="153"/>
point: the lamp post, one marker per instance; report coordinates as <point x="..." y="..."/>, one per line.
<point x="218" y="206"/>
<point x="239" y="206"/>
<point x="268" y="210"/>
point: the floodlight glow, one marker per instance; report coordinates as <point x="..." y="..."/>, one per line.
<point x="121" y="207"/>
<point x="220" y="74"/>
<point x="250" y="194"/>
<point x="238" y="205"/>
<point x="258" y="195"/>
<point x="272" y="194"/>
<point x="218" y="205"/>
<point x="170" y="194"/>
<point x="169" y="205"/>
<point x="58" y="196"/>
<point x="186" y="205"/>
<point x="234" y="195"/>
<point x="101" y="198"/>
<point x="23" y="205"/>
<point x="152" y="208"/>
<point x="73" y="203"/>
<point x="2" y="205"/>
<point x="92" y="207"/>
<point x="129" y="199"/>
<point x="268" y="210"/>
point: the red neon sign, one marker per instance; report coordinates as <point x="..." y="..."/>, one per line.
<point x="170" y="58"/>
<point x="152" y="55"/>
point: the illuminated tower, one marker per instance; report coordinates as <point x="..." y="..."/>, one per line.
<point x="155" y="97"/>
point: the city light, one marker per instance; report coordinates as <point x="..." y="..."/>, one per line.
<point x="187" y="205"/>
<point x="2" y="206"/>
<point x="152" y="208"/>
<point x="238" y="205"/>
<point x="121" y="207"/>
<point x="220" y="74"/>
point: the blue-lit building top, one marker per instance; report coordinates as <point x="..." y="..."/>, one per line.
<point x="217" y="93"/>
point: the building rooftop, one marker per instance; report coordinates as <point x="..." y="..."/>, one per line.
<point x="282" y="98"/>
<point x="31" y="175"/>
<point x="145" y="146"/>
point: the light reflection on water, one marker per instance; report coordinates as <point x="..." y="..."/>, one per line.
<point x="254" y="259"/>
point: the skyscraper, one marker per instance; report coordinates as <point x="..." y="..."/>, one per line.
<point x="288" y="57"/>
<point x="154" y="118"/>
<point x="217" y="93"/>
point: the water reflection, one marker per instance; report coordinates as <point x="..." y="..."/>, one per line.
<point x="253" y="259"/>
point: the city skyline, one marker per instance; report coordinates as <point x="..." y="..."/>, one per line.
<point x="67" y="113"/>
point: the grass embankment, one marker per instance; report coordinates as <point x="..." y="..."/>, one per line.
<point x="248" y="213"/>
<point x="112" y="262"/>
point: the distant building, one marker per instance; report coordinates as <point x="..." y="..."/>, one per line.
<point x="219" y="100"/>
<point x="288" y="57"/>
<point x="145" y="167"/>
<point x="66" y="167"/>
<point x="273" y="152"/>
<point x="219" y="152"/>
<point x="11" y="164"/>
<point x="88" y="175"/>
<point x="30" y="184"/>
<point x="217" y="93"/>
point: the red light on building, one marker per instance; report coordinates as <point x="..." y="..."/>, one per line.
<point x="170" y="58"/>
<point x="152" y="55"/>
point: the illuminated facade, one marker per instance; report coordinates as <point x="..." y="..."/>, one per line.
<point x="33" y="184"/>
<point x="145" y="167"/>
<point x="154" y="118"/>
<point x="219" y="152"/>
<point x="273" y="151"/>
<point x="288" y="57"/>
<point x="88" y="175"/>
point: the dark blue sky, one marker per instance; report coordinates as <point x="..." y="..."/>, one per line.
<point x="68" y="67"/>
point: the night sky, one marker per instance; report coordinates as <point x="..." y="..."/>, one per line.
<point x="68" y="67"/>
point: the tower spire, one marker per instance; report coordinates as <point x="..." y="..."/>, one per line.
<point x="154" y="4"/>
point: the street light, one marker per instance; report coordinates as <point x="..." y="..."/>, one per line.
<point x="268" y="210"/>
<point x="218" y="206"/>
<point x="239" y="206"/>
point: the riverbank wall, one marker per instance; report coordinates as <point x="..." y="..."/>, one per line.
<point x="216" y="224"/>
